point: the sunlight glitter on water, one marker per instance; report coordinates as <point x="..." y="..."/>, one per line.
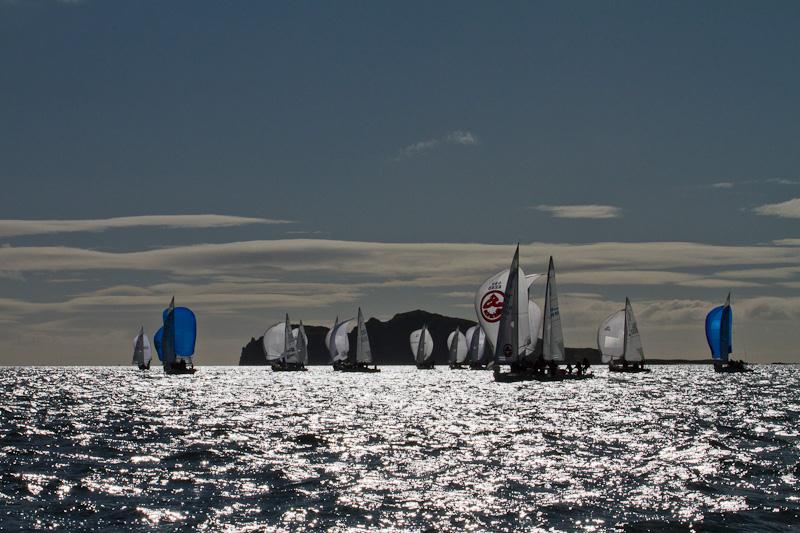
<point x="246" y="448"/>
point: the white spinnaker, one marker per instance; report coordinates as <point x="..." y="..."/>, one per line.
<point x="363" y="350"/>
<point x="331" y="349"/>
<point x="339" y="344"/>
<point x="611" y="336"/>
<point x="489" y="307"/>
<point x="633" y="347"/>
<point x="274" y="342"/>
<point x="458" y="350"/>
<point x="535" y="319"/>
<point x="477" y="349"/>
<point x="427" y="348"/>
<point x="552" y="334"/>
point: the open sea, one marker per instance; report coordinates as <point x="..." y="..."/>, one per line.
<point x="243" y="448"/>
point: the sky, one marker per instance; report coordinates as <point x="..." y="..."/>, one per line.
<point x="257" y="158"/>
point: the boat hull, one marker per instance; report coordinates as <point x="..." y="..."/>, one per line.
<point x="179" y="371"/>
<point x="289" y="368"/>
<point x="425" y="366"/>
<point x="364" y="369"/>
<point x="725" y="369"/>
<point x="457" y="367"/>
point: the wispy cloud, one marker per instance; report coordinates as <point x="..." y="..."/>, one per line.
<point x="16" y="228"/>
<point x="456" y="137"/>
<point x="784" y="181"/>
<point x="580" y="211"/>
<point x="723" y="185"/>
<point x="788" y="209"/>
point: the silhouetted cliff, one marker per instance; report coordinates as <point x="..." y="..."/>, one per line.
<point x="390" y="340"/>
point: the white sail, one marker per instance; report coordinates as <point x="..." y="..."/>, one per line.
<point x="531" y="278"/>
<point x="457" y="343"/>
<point x="489" y="301"/>
<point x="476" y="340"/>
<point x="552" y="334"/>
<point x="302" y="344"/>
<point x="634" y="351"/>
<point x="274" y="341"/>
<point x="328" y="337"/>
<point x="421" y="345"/>
<point x="535" y="320"/>
<point x="337" y="341"/>
<point x="611" y="336"/>
<point x="141" y="349"/>
<point x="363" y="351"/>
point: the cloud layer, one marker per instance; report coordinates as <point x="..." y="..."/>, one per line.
<point x="581" y="211"/>
<point x="788" y="209"/>
<point x="456" y="137"/>
<point x="16" y="228"/>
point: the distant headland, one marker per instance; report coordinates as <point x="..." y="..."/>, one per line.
<point x="389" y="341"/>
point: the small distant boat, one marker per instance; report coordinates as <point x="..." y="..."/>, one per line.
<point x="719" y="334"/>
<point x="338" y="344"/>
<point x="286" y="349"/>
<point x="476" y="340"/>
<point x="619" y="342"/>
<point x="178" y="337"/>
<point x="457" y="344"/>
<point x="141" y="351"/>
<point x="422" y="348"/>
<point x="361" y="360"/>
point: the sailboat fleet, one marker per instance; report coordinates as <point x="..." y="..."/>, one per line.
<point x="514" y="337"/>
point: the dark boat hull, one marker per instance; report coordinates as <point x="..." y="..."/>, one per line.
<point x="512" y="377"/>
<point x="289" y="368"/>
<point x="364" y="369"/>
<point x="425" y="366"/>
<point x="179" y="371"/>
<point x="731" y="369"/>
<point x="628" y="370"/>
<point x="457" y="367"/>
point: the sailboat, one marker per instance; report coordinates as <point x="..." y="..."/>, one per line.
<point x="286" y="349"/>
<point x="505" y="321"/>
<point x="476" y="340"/>
<point x="619" y="342"/>
<point x="422" y="348"/>
<point x="719" y="334"/>
<point x="178" y="337"/>
<point x="141" y="351"/>
<point x="337" y="343"/>
<point x="360" y="361"/>
<point x="457" y="344"/>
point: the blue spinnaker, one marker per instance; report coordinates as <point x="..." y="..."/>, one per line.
<point x="185" y="330"/>
<point x="158" y="338"/>
<point x="719" y="326"/>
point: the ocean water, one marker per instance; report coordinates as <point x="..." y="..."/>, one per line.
<point x="245" y="449"/>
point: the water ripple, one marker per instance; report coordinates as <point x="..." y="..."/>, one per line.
<point x="244" y="449"/>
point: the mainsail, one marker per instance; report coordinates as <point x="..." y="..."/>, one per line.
<point x="552" y="335"/>
<point x="302" y="345"/>
<point x="421" y="345"/>
<point x="363" y="351"/>
<point x="476" y="339"/>
<point x="611" y="336"/>
<point x="719" y="331"/>
<point x="141" y="349"/>
<point x="457" y="343"/>
<point x="289" y="342"/>
<point x="491" y="301"/>
<point x="633" y="342"/>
